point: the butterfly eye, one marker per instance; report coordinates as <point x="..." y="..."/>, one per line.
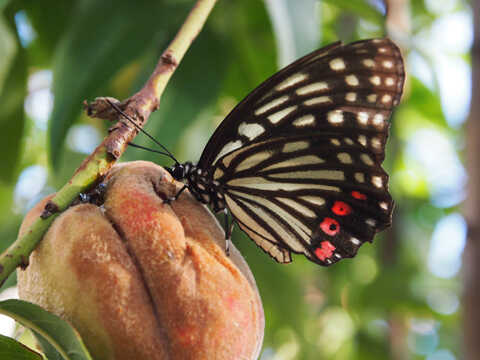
<point x="177" y="171"/>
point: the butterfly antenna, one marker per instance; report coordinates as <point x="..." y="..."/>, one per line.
<point x="167" y="153"/>
<point x="148" y="149"/>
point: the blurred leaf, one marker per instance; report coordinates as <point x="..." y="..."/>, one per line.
<point x="8" y="48"/>
<point x="193" y="88"/>
<point x="282" y="294"/>
<point x="12" y="116"/>
<point x="12" y="349"/>
<point x="361" y="8"/>
<point x="56" y="331"/>
<point x="49" y="19"/>
<point x="426" y="101"/>
<point x="296" y="27"/>
<point x="252" y="45"/>
<point x="102" y="38"/>
<point x="3" y="3"/>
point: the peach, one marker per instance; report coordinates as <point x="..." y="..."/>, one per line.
<point x="142" y="279"/>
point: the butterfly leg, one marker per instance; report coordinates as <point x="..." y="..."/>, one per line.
<point x="93" y="196"/>
<point x="177" y="195"/>
<point x="228" y="232"/>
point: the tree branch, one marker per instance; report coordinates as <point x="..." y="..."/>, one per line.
<point x="94" y="168"/>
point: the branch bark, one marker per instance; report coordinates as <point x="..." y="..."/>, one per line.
<point x="95" y="167"/>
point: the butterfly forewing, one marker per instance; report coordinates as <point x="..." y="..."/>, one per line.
<point x="339" y="89"/>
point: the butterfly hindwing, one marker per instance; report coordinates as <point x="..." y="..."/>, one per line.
<point x="321" y="195"/>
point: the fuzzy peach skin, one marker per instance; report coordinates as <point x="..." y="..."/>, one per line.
<point x="144" y="280"/>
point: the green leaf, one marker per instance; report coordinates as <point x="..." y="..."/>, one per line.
<point x="57" y="332"/>
<point x="3" y="3"/>
<point x="12" y="96"/>
<point x="12" y="349"/>
<point x="8" y="48"/>
<point x="103" y="37"/>
<point x="296" y="28"/>
<point x="49" y="20"/>
<point x="252" y="46"/>
<point x="361" y="8"/>
<point x="426" y="101"/>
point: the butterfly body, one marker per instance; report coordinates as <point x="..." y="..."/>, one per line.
<point x="298" y="162"/>
<point x="200" y="184"/>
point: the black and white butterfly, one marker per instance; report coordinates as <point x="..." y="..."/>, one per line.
<point x="298" y="162"/>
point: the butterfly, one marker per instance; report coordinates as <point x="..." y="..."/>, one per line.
<point x="297" y="163"/>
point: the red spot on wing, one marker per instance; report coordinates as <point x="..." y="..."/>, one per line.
<point x="325" y="250"/>
<point x="340" y="208"/>
<point x="358" y="195"/>
<point x="330" y="226"/>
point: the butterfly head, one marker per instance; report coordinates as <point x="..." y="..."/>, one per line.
<point x="179" y="171"/>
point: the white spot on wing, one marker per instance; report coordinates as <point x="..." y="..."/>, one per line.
<point x="355" y="241"/>
<point x="376" y="143"/>
<point x="311" y="174"/>
<point x="344" y="158"/>
<point x="335" y="142"/>
<point x="229" y="147"/>
<point x="276" y="117"/>
<point x="337" y="64"/>
<point x="317" y="86"/>
<point x="389" y="81"/>
<point x="378" y="120"/>
<point x="351" y="80"/>
<point x="371" y="222"/>
<point x="299" y="207"/>
<point x="251" y="131"/>
<point x="317" y="100"/>
<point x="292" y="80"/>
<point x="218" y="173"/>
<point x="351" y="96"/>
<point x="386" y="98"/>
<point x="366" y="159"/>
<point x="362" y="117"/>
<point x="296" y="161"/>
<point x="383" y="205"/>
<point x="375" y="80"/>
<point x="314" y="199"/>
<point x="253" y="160"/>
<point x="271" y="104"/>
<point x="360" y="177"/>
<point x="369" y="63"/>
<point x="295" y="146"/>
<point x="387" y="64"/>
<point x="305" y="120"/>
<point x="335" y="116"/>
<point x="264" y="184"/>
<point x="372" y="98"/>
<point x="377" y="181"/>
<point x="362" y="139"/>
